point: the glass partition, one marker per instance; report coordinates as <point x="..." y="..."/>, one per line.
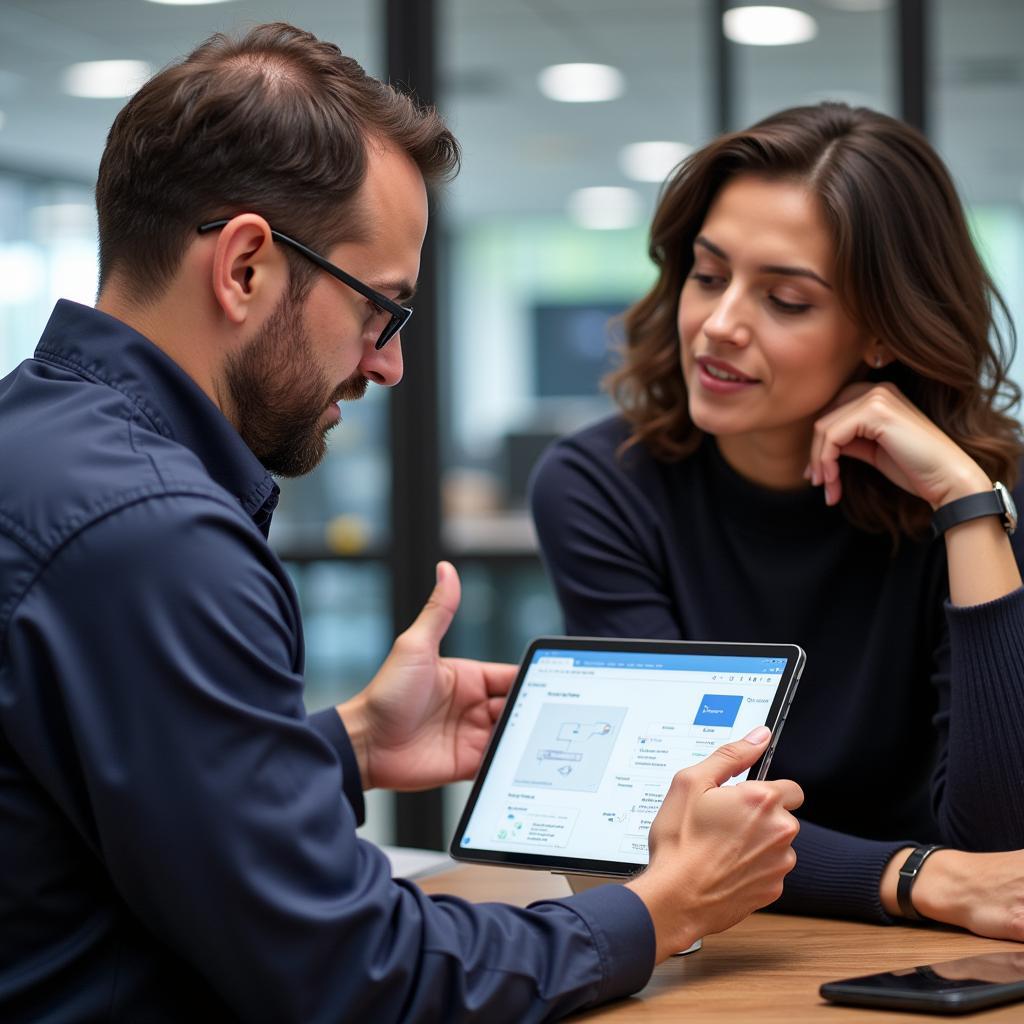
<point x="978" y="127"/>
<point x="807" y="52"/>
<point x="547" y="226"/>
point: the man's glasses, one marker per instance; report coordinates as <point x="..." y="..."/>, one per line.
<point x="398" y="315"/>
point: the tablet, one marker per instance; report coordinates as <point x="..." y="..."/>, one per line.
<point x="592" y="733"/>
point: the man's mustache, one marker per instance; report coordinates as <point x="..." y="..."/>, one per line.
<point x="351" y="390"/>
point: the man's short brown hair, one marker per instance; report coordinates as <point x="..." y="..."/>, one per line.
<point x="276" y="123"/>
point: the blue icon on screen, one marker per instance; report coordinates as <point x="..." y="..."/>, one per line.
<point x="465" y="840"/>
<point x="718" y="709"/>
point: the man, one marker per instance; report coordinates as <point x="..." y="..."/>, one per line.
<point x="177" y="838"/>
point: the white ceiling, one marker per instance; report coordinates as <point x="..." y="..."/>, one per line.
<point x="523" y="153"/>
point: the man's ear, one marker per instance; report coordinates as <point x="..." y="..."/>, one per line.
<point x="248" y="273"/>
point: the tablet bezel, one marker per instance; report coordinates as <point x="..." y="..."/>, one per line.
<point x="775" y="718"/>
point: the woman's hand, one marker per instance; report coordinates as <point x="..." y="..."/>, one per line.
<point x="878" y="425"/>
<point x="982" y="892"/>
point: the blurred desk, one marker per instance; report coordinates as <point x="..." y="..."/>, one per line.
<point x="764" y="971"/>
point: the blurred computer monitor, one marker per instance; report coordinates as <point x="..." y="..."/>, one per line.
<point x="573" y="347"/>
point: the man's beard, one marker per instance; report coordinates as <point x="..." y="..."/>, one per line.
<point x="280" y="394"/>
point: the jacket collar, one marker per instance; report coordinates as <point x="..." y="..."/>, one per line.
<point x="105" y="350"/>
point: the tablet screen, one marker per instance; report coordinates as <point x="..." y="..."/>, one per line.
<point x="590" y="740"/>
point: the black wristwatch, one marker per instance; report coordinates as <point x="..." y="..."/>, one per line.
<point x="997" y="502"/>
<point x="908" y="875"/>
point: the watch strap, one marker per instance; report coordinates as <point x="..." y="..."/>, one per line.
<point x="908" y="875"/>
<point x="974" y="506"/>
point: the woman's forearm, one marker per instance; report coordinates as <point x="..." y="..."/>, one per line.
<point x="981" y="563"/>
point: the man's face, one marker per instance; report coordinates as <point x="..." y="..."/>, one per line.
<point x="280" y="393"/>
<point x="313" y="353"/>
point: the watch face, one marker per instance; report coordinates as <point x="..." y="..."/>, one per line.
<point x="1008" y="504"/>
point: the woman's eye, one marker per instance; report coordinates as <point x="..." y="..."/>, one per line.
<point x="705" y="280"/>
<point x="788" y="307"/>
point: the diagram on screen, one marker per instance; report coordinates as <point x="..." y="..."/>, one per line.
<point x="570" y="746"/>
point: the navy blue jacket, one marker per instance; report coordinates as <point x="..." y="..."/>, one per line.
<point x="909" y="722"/>
<point x="177" y="838"/>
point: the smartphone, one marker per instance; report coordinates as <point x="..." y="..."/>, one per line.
<point x="954" y="986"/>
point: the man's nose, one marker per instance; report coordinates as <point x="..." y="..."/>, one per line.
<point x="383" y="365"/>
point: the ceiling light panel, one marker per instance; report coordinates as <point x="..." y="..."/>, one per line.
<point x="605" y="209"/>
<point x="581" y="83"/>
<point x="105" y="79"/>
<point x="652" y="161"/>
<point x="768" y="26"/>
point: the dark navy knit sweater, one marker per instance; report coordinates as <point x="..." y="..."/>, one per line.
<point x="909" y="723"/>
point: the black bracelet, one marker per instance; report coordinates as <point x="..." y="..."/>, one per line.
<point x="908" y="875"/>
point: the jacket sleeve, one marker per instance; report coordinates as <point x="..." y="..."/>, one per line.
<point x="161" y="708"/>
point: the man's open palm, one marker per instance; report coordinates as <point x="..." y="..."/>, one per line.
<point x="425" y="720"/>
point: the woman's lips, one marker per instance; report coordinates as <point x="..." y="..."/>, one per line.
<point x="722" y="378"/>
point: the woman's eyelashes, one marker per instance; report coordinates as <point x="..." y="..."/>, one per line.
<point x="715" y="282"/>
<point x="790" y="308"/>
<point x="706" y="280"/>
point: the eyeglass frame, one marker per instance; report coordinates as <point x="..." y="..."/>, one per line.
<point x="400" y="315"/>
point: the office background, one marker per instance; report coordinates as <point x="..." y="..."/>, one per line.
<point x="525" y="261"/>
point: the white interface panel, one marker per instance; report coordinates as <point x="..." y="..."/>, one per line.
<point x="594" y="739"/>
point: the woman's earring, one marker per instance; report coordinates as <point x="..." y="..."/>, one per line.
<point x="878" y="361"/>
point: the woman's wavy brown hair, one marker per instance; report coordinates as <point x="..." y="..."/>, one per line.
<point x="906" y="270"/>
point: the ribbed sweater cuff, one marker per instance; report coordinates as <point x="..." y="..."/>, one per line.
<point x="837" y="875"/>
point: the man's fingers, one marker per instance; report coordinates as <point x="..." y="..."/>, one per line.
<point x="729" y="760"/>
<point x="791" y="795"/>
<point x="498" y="676"/>
<point x="437" y="613"/>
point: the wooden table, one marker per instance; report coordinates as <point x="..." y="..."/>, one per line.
<point x="764" y="971"/>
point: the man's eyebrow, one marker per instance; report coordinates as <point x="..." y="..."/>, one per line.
<point x="768" y="268"/>
<point x="398" y="291"/>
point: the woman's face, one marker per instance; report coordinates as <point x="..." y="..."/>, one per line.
<point x="765" y="344"/>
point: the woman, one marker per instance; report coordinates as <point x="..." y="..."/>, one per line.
<point x="815" y="373"/>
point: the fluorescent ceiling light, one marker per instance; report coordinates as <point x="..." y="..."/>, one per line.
<point x="768" y="26"/>
<point x="105" y="79"/>
<point x="652" y="161"/>
<point x="605" y="208"/>
<point x="581" y="83"/>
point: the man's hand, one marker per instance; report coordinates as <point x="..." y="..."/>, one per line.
<point x="717" y="852"/>
<point x="425" y="720"/>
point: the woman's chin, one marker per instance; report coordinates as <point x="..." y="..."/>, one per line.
<point x="715" y="421"/>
